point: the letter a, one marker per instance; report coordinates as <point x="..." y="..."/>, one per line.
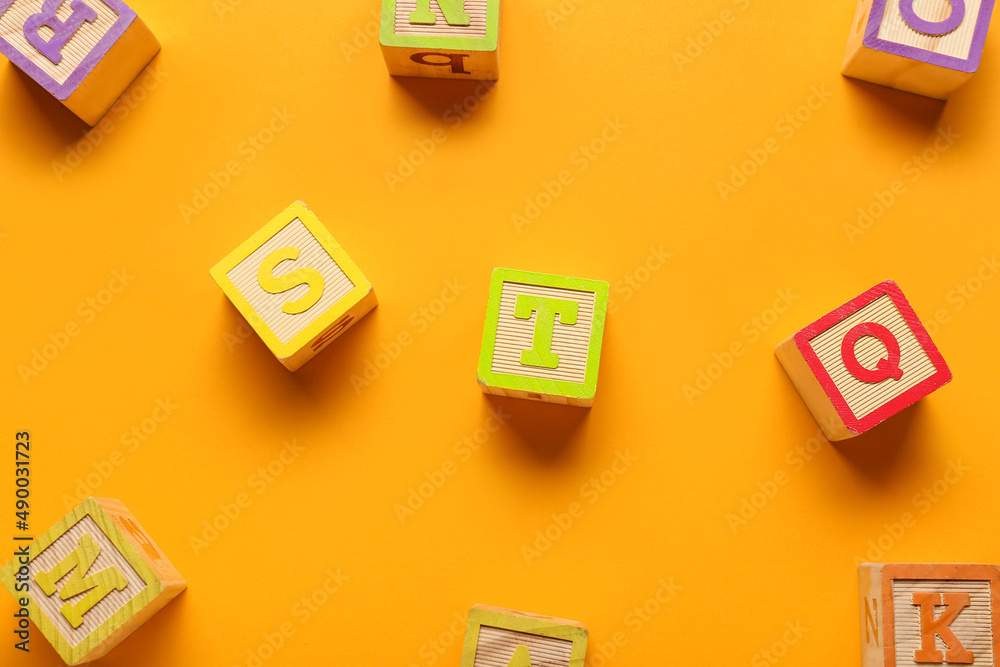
<point x="76" y="565"/>
<point x="929" y="627"/>
<point x="521" y="658"/>
<point x="541" y="354"/>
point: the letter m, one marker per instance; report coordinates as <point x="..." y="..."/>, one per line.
<point x="76" y="565"/>
<point x="453" y="10"/>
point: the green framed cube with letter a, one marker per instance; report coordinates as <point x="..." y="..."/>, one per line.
<point x="445" y="39"/>
<point x="542" y="338"/>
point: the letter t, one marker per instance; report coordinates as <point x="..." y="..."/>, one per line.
<point x="541" y="354"/>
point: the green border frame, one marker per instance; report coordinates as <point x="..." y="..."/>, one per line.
<point x="585" y="390"/>
<point x="387" y="36"/>
<point x="73" y="654"/>
<point x="495" y="618"/>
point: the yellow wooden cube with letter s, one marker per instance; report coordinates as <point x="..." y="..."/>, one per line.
<point x="295" y="285"/>
<point x="92" y="579"/>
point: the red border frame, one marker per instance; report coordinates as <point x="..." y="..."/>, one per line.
<point x="904" y="400"/>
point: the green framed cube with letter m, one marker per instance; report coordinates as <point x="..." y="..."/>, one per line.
<point x="447" y="39"/>
<point x="542" y="338"/>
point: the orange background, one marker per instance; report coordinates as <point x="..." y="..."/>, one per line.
<point x="169" y="334"/>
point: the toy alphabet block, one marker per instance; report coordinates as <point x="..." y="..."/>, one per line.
<point x="449" y="39"/>
<point x="295" y="285"/>
<point x="84" y="52"/>
<point x="543" y="335"/>
<point x="496" y="637"/>
<point x="929" y="614"/>
<point x="92" y="579"/>
<point x="928" y="47"/>
<point x="864" y="362"/>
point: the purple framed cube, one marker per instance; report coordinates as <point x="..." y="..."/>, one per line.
<point x="84" y="52"/>
<point x="928" y="47"/>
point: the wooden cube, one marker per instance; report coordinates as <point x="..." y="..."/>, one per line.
<point x="92" y="579"/>
<point x="502" y="637"/>
<point x="929" y="614"/>
<point x="84" y="52"/>
<point x="295" y="285"/>
<point x="929" y="47"/>
<point x="542" y="339"/>
<point x="450" y="39"/>
<point x="864" y="362"/>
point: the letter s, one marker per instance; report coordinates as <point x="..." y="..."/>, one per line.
<point x="305" y="276"/>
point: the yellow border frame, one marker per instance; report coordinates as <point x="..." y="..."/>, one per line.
<point x="73" y="654"/>
<point x="361" y="284"/>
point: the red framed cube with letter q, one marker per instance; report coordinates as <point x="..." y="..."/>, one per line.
<point x="864" y="362"/>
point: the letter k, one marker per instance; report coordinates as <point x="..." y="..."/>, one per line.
<point x="929" y="627"/>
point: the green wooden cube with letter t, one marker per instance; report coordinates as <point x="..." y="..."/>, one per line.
<point x="543" y="335"/>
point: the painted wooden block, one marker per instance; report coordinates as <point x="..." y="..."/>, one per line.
<point x="84" y="52"/>
<point x="451" y="39"/>
<point x="542" y="339"/>
<point x="496" y="637"/>
<point x="295" y="285"/>
<point x="929" y="47"/>
<point x="864" y="362"/>
<point x="929" y="614"/>
<point x="92" y="579"/>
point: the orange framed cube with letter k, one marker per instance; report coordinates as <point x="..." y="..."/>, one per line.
<point x="920" y="614"/>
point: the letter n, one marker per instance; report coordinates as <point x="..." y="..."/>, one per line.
<point x="871" y="621"/>
<point x="76" y="564"/>
<point x="453" y="10"/>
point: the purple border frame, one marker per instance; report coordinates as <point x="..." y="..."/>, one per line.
<point x="126" y="15"/>
<point x="971" y="64"/>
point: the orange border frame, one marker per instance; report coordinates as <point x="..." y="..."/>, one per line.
<point x="948" y="571"/>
